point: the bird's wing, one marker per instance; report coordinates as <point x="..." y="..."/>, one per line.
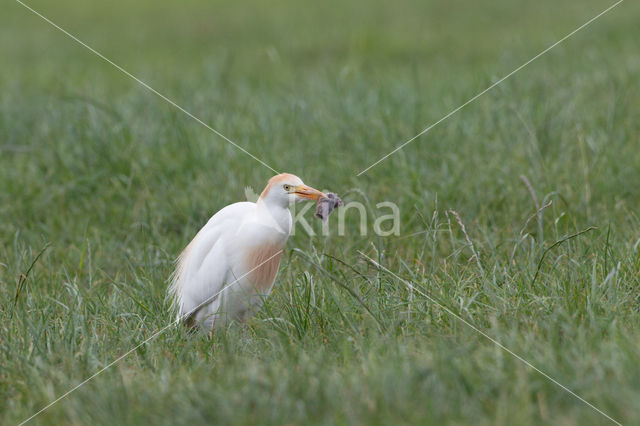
<point x="203" y="265"/>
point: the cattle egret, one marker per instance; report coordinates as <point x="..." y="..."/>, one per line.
<point x="229" y="268"/>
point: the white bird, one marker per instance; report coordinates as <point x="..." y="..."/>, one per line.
<point x="230" y="266"/>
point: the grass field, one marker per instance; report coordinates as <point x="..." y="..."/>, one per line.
<point x="109" y="182"/>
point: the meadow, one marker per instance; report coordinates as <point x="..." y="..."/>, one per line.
<point x="519" y="214"/>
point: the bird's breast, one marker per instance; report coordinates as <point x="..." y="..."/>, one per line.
<point x="263" y="261"/>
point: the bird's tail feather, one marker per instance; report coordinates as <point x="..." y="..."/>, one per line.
<point x="176" y="283"/>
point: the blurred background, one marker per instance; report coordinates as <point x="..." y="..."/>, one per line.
<point x="116" y="181"/>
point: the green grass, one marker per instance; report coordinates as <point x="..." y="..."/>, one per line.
<point x="111" y="182"/>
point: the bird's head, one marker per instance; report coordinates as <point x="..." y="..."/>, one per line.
<point x="285" y="189"/>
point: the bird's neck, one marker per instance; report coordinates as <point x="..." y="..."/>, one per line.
<point x="275" y="214"/>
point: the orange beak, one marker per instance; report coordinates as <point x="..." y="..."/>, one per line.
<point x="308" y="193"/>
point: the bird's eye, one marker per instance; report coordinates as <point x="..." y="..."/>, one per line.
<point x="287" y="187"/>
